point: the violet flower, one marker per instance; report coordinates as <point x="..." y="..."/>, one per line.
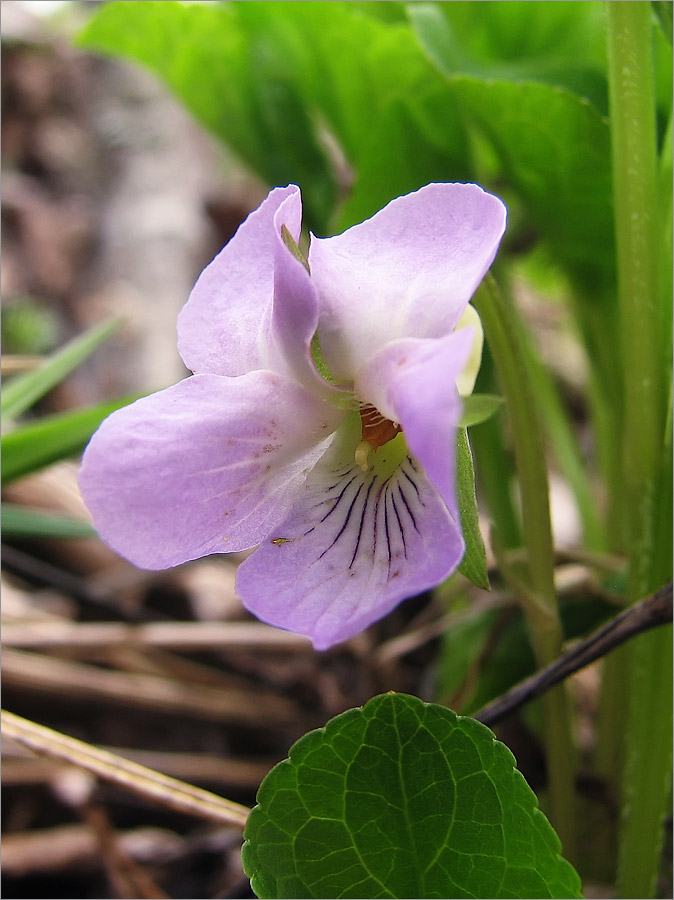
<point x="319" y="425"/>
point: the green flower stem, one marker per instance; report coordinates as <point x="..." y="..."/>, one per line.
<point x="639" y="247"/>
<point x="632" y="106"/>
<point x="493" y="465"/>
<point x="558" y="428"/>
<point x="646" y="781"/>
<point x="539" y="602"/>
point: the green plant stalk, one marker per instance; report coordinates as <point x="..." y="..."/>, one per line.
<point x="565" y="447"/>
<point x="608" y="758"/>
<point x="647" y="770"/>
<point x="638" y="245"/>
<point x="539" y="603"/>
<point x="556" y="424"/>
<point x="493" y="465"/>
<point x="606" y="421"/>
<point x="632" y="106"/>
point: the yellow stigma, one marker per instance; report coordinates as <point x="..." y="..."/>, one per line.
<point x="362" y="455"/>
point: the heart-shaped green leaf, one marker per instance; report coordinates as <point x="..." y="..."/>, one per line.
<point x="402" y="798"/>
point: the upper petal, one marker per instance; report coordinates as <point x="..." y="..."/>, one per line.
<point x="206" y="466"/>
<point x="413" y="382"/>
<point x="409" y="271"/>
<point x="223" y="327"/>
<point x="353" y="546"/>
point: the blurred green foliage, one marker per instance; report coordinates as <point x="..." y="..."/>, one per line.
<point x="30" y="446"/>
<point x="28" y="327"/>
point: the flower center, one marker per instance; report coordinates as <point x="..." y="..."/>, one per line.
<point x="377" y="430"/>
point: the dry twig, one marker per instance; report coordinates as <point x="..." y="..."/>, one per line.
<point x="250" y="706"/>
<point x="186" y="636"/>
<point x="648" y="613"/>
<point x="145" y="782"/>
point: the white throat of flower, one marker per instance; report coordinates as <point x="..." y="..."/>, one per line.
<point x="377" y="430"/>
<point x="466" y="380"/>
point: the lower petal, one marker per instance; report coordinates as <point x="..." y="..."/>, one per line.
<point x="206" y="466"/>
<point x="354" y="545"/>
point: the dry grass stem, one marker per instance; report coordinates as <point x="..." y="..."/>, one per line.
<point x="15" y="364"/>
<point x="240" y="773"/>
<point x="131" y="776"/>
<point x="250" y="706"/>
<point x="185" y="636"/>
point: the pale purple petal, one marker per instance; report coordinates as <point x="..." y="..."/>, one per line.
<point x="206" y="466"/>
<point x="354" y="545"/>
<point x="222" y="329"/>
<point x="409" y="271"/>
<point x="294" y="311"/>
<point x="413" y="382"/>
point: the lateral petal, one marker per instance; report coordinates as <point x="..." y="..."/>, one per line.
<point x="413" y="382"/>
<point x="353" y="546"/>
<point x="409" y="271"/>
<point x="206" y="466"/>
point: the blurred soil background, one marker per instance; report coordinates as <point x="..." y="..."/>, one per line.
<point x="113" y="201"/>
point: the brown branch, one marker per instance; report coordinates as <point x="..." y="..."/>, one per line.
<point x="150" y="785"/>
<point x="648" y="613"/>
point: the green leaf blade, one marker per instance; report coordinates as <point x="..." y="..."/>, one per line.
<point x="25" y="522"/>
<point x="474" y="563"/>
<point x="561" y="174"/>
<point x="477" y="408"/>
<point x="25" y="390"/>
<point x="38" y="444"/>
<point x="236" y="75"/>
<point x="402" y="799"/>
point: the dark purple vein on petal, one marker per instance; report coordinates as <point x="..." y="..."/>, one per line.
<point x="339" y="497"/>
<point x="361" y="523"/>
<point x="337" y="483"/>
<point x="343" y="469"/>
<point x="407" y="507"/>
<point x="346" y="520"/>
<point x="400" y="524"/>
<point x="335" y="504"/>
<point x="375" y="518"/>
<point x="413" y="465"/>
<point x="414" y="485"/>
<point x="388" y="536"/>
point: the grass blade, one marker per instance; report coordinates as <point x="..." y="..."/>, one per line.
<point x="25" y="390"/>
